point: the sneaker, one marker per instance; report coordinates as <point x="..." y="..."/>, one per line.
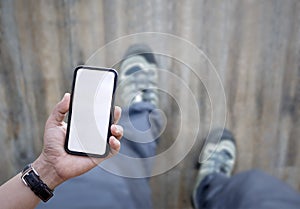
<point x="138" y="76"/>
<point x="216" y="158"/>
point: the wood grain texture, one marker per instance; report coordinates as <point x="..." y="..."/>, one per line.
<point x="254" y="45"/>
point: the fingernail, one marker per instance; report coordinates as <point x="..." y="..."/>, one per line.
<point x="117" y="129"/>
<point x="64" y="96"/>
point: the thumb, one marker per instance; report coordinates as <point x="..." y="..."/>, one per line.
<point x="60" y="109"/>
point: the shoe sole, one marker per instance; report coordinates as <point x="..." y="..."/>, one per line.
<point x="142" y="50"/>
<point x="221" y="134"/>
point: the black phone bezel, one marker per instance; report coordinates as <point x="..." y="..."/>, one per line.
<point x="111" y="118"/>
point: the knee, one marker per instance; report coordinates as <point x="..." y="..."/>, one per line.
<point x="253" y="176"/>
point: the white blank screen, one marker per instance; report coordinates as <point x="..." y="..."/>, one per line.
<point x="92" y="97"/>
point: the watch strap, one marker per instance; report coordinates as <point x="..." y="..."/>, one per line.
<point x="31" y="178"/>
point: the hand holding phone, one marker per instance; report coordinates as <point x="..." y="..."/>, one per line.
<point x="91" y="111"/>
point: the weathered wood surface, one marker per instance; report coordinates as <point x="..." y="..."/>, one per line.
<point x="255" y="46"/>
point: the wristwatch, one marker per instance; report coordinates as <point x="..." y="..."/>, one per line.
<point x="31" y="179"/>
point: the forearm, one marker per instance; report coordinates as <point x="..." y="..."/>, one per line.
<point x="15" y="194"/>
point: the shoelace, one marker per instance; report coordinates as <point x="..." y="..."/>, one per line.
<point x="144" y="77"/>
<point x="218" y="161"/>
<point x="140" y="82"/>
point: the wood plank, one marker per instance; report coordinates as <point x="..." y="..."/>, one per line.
<point x="254" y="45"/>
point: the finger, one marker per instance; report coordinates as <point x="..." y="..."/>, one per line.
<point x="117" y="131"/>
<point x="61" y="108"/>
<point x="115" y="144"/>
<point x="117" y="114"/>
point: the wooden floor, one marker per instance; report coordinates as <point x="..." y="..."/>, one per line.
<point x="254" y="46"/>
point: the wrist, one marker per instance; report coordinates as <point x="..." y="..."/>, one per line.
<point x="46" y="172"/>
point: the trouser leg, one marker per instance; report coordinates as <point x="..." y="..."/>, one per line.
<point x="251" y="189"/>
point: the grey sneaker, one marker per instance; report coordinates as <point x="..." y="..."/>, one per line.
<point x="138" y="76"/>
<point x="216" y="158"/>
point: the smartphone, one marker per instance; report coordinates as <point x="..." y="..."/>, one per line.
<point x="91" y="111"/>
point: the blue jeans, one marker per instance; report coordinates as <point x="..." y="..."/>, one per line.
<point x="99" y="188"/>
<point x="251" y="189"/>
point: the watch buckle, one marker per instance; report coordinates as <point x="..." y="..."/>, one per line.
<point x="26" y="173"/>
